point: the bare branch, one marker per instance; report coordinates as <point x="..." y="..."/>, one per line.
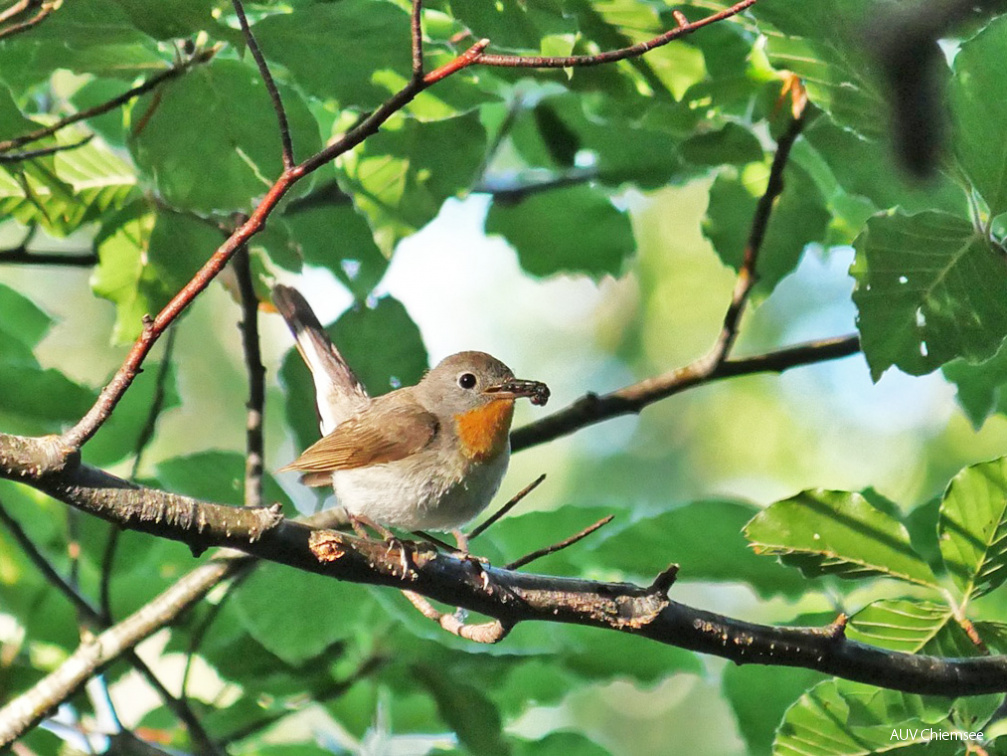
<point x="21" y="256"/>
<point x="93" y="655"/>
<point x="748" y="273"/>
<point x="96" y="619"/>
<point x="267" y="79"/>
<point x="42" y="15"/>
<point x="490" y="632"/>
<point x="416" y="33"/>
<point x="466" y="59"/>
<point x="514" y="501"/>
<point x="529" y="558"/>
<point x="592" y="408"/>
<point x="256" y="379"/>
<point x="573" y="61"/>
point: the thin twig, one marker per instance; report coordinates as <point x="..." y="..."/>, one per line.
<point x="528" y="558"/>
<point x="574" y="61"/>
<point x="201" y="56"/>
<point x="490" y="632"/>
<point x="595" y="408"/>
<point x="256" y="378"/>
<point x="18" y="157"/>
<point x="21" y="256"/>
<point x="748" y="274"/>
<point x="35" y="20"/>
<point x="16" y="8"/>
<point x="338" y="687"/>
<point x="267" y="78"/>
<point x="200" y="632"/>
<point x="514" y="501"/>
<point x="416" y="33"/>
<point x="52" y="576"/>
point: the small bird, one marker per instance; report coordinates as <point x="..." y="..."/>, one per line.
<point x="423" y="457"/>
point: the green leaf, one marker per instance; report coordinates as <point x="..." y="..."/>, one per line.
<point x="838" y="718"/>
<point x="274" y="605"/>
<point x="911" y="626"/>
<point x="466" y="709"/>
<point x="620" y="150"/>
<point x="833" y="64"/>
<point x="683" y="535"/>
<point x="799" y="218"/>
<point x="85" y="36"/>
<point x="759" y="696"/>
<point x="61" y="192"/>
<point x="35" y="401"/>
<point x="401" y="359"/>
<point x="837" y="533"/>
<point x="119" y="437"/>
<point x="980" y="387"/>
<point x="929" y="289"/>
<point x="576" y="230"/>
<point x="400" y="177"/>
<point x="145" y="259"/>
<point x="732" y="144"/>
<point x="329" y="48"/>
<point x="338" y="238"/>
<point x="218" y="114"/>
<point x="23" y="322"/>
<point x="867" y="169"/>
<point x="565" y="743"/>
<point x="179" y="18"/>
<point x="973" y="526"/>
<point x="979" y="110"/>
<point x="514" y="26"/>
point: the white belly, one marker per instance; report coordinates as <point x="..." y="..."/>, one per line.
<point x="397" y="495"/>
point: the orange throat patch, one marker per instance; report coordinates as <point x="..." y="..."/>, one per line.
<point x="483" y="432"/>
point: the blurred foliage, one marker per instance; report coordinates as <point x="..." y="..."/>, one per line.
<point x="646" y="171"/>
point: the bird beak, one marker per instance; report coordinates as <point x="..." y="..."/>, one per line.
<point x="536" y="391"/>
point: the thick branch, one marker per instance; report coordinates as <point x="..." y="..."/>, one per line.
<point x="507" y="596"/>
<point x="249" y="328"/>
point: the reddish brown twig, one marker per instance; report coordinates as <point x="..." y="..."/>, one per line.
<point x="267" y="79"/>
<point x="200" y="57"/>
<point x="152" y="329"/>
<point x="466" y="59"/>
<point x="566" y="542"/>
<point x="572" y="61"/>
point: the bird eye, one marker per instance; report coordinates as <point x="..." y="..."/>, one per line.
<point x="466" y="380"/>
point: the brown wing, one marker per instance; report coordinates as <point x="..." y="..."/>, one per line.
<point x="379" y="435"/>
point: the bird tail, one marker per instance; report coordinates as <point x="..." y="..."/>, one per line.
<point x="339" y="394"/>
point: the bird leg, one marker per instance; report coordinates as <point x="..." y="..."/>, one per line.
<point x="360" y="523"/>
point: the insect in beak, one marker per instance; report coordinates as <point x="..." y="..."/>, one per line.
<point x="536" y="391"/>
